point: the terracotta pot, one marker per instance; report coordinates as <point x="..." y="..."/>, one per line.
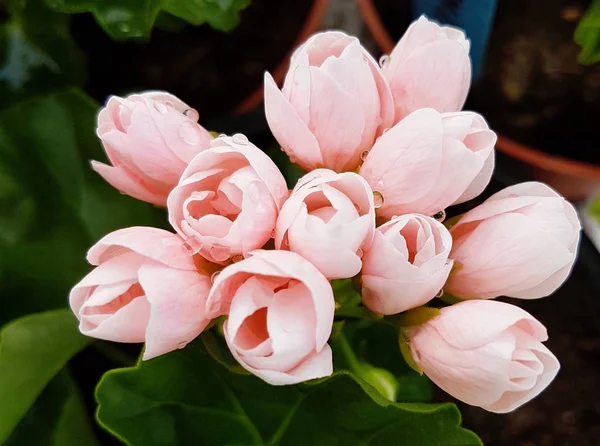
<point x="313" y="21"/>
<point x="575" y="180"/>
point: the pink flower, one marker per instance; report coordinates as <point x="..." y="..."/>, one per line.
<point x="145" y="288"/>
<point x="521" y="242"/>
<point x="333" y="104"/>
<point x="149" y="138"/>
<point x="429" y="67"/>
<point x="430" y="160"/>
<point x="329" y="219"/>
<point x="280" y="316"/>
<point x="227" y="201"/>
<point x="485" y="353"/>
<point x="407" y="264"/>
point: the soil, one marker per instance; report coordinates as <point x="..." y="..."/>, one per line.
<point x="567" y="413"/>
<point x="210" y="70"/>
<point x="532" y="88"/>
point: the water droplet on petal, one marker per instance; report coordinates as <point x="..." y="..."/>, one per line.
<point x="222" y="135"/>
<point x="440" y="293"/>
<point x="280" y="191"/>
<point x="192" y="114"/>
<point x="188" y="132"/>
<point x="181" y="345"/>
<point x="169" y="104"/>
<point x="363" y="156"/>
<point x="359" y="253"/>
<point x="273" y="232"/>
<point x="219" y="253"/>
<point x="440" y="216"/>
<point x="377" y="199"/>
<point x="214" y="276"/>
<point x="240" y="138"/>
<point x="384" y="61"/>
<point x="160" y="107"/>
<point x="385" y="130"/>
<point x="237" y="258"/>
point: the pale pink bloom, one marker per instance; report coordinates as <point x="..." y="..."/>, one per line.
<point x="333" y="104"/>
<point x="429" y="68"/>
<point x="280" y="311"/>
<point x="407" y="264"/>
<point x="149" y="139"/>
<point x="429" y="161"/>
<point x="227" y="201"/>
<point x="485" y="353"/>
<point x="145" y="288"/>
<point x="329" y="220"/>
<point x="521" y="242"/>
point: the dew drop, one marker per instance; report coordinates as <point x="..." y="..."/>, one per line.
<point x="385" y="130"/>
<point x="192" y="114"/>
<point x="222" y="135"/>
<point x="169" y="104"/>
<point x="219" y="253"/>
<point x="160" y="107"/>
<point x="192" y="246"/>
<point x="188" y="132"/>
<point x="440" y="216"/>
<point x="377" y="199"/>
<point x="124" y="28"/>
<point x="359" y="253"/>
<point x="384" y="61"/>
<point x="240" y="138"/>
<point x="181" y="345"/>
<point x="440" y="293"/>
<point x="214" y="276"/>
<point x="237" y="258"/>
<point x="363" y="156"/>
<point x="273" y="233"/>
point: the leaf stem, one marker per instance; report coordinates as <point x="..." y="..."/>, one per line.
<point x="349" y="355"/>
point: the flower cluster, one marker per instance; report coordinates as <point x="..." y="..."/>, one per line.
<point x="387" y="149"/>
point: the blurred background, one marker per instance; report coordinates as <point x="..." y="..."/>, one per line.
<point x="536" y="80"/>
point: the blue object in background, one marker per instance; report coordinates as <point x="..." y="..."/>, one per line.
<point x="474" y="16"/>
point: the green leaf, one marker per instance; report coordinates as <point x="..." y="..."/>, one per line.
<point x="587" y="35"/>
<point x="187" y="398"/>
<point x="593" y="209"/>
<point x="60" y="207"/>
<point x="220" y="14"/>
<point x="126" y="19"/>
<point x="37" y="53"/>
<point x="33" y="350"/>
<point x="58" y="417"/>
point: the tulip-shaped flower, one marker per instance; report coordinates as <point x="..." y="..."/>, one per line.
<point x="227" y="201"/>
<point x="485" y="353"/>
<point x="429" y="67"/>
<point x="149" y="138"/>
<point x="333" y="104"/>
<point x="280" y="316"/>
<point x="329" y="220"/>
<point x="406" y="265"/>
<point x="430" y="160"/>
<point x="521" y="242"/>
<point x="145" y="287"/>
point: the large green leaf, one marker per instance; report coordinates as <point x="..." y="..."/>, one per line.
<point x="587" y="35"/>
<point x="58" y="206"/>
<point x="123" y="19"/>
<point x="33" y="350"/>
<point x="58" y="418"/>
<point x="37" y="53"/>
<point x="186" y="398"/>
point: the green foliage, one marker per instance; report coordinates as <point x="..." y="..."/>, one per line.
<point x="58" y="418"/>
<point x="187" y="398"/>
<point x="587" y="35"/>
<point x="125" y="19"/>
<point x="593" y="209"/>
<point x="33" y="350"/>
<point x="37" y="53"/>
<point x="59" y="206"/>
